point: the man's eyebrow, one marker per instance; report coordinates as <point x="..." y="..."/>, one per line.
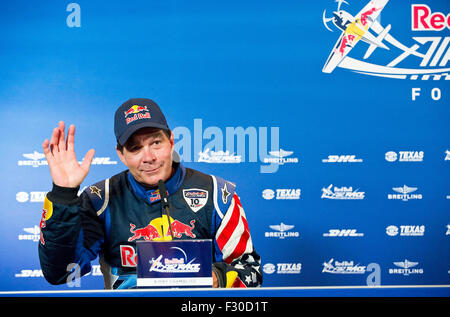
<point x="155" y="135"/>
<point x="133" y="140"/>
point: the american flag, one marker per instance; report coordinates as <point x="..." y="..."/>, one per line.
<point x="233" y="235"/>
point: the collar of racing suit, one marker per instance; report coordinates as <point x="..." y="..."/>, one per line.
<point x="152" y="195"/>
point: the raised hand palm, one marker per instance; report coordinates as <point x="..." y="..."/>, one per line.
<point x="64" y="167"/>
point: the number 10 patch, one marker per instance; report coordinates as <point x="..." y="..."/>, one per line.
<point x="195" y="198"/>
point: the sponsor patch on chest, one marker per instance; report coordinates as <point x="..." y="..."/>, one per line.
<point x="195" y="198"/>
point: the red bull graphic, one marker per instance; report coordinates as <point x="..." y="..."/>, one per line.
<point x="136" y="111"/>
<point x="366" y="26"/>
<point x="148" y="233"/>
<point x="424" y="19"/>
<point x="154" y="231"/>
<point x="154" y="196"/>
<point x="127" y="256"/>
<point x="365" y="15"/>
<point x="158" y="230"/>
<point x="46" y="214"/>
<point x="179" y="228"/>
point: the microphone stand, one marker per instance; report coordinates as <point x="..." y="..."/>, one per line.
<point x="165" y="203"/>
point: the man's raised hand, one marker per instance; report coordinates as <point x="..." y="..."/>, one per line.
<point x="62" y="161"/>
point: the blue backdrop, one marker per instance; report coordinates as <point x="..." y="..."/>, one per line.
<point x="344" y="176"/>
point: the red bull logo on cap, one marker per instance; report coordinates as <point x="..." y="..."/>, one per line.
<point x="136" y="111"/>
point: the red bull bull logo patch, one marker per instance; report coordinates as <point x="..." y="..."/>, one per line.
<point x="179" y="229"/>
<point x="148" y="233"/>
<point x="137" y="112"/>
<point x="158" y="230"/>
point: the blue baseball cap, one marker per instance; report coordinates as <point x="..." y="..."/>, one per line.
<point x="135" y="114"/>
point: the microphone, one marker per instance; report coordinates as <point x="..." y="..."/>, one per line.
<point x="165" y="203"/>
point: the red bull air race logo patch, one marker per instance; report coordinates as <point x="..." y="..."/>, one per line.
<point x="195" y="198"/>
<point x="136" y="112"/>
<point x="430" y="53"/>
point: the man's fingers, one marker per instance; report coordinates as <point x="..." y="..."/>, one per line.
<point x="60" y="154"/>
<point x="47" y="152"/>
<point x="88" y="160"/>
<point x="71" y="139"/>
<point x="46" y="148"/>
<point x="54" y="140"/>
<point x="62" y="135"/>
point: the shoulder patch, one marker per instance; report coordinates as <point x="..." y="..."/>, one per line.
<point x="99" y="195"/>
<point x="223" y="192"/>
<point x="195" y="198"/>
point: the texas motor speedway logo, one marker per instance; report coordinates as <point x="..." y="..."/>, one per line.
<point x="430" y="53"/>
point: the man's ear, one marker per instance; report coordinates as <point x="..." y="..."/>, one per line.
<point x="122" y="158"/>
<point x="172" y="140"/>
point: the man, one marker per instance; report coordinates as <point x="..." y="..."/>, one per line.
<point x="109" y="217"/>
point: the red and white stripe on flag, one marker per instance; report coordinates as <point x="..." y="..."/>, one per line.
<point x="233" y="235"/>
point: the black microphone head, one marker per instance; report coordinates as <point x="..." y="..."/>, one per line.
<point x="163" y="193"/>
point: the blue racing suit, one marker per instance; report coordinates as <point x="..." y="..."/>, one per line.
<point x="109" y="217"/>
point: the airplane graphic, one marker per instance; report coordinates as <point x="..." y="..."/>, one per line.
<point x="354" y="29"/>
<point x="365" y="26"/>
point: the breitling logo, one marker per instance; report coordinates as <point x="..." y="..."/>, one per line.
<point x="404" y="193"/>
<point x="406" y="268"/>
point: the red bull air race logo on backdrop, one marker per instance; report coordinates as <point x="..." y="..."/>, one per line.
<point x="429" y="55"/>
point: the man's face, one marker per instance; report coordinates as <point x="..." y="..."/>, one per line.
<point x="148" y="155"/>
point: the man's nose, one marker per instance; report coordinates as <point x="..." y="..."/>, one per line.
<point x="148" y="154"/>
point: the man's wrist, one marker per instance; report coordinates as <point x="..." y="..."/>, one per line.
<point x="219" y="268"/>
<point x="63" y="195"/>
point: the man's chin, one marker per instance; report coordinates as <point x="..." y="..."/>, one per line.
<point x="150" y="182"/>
